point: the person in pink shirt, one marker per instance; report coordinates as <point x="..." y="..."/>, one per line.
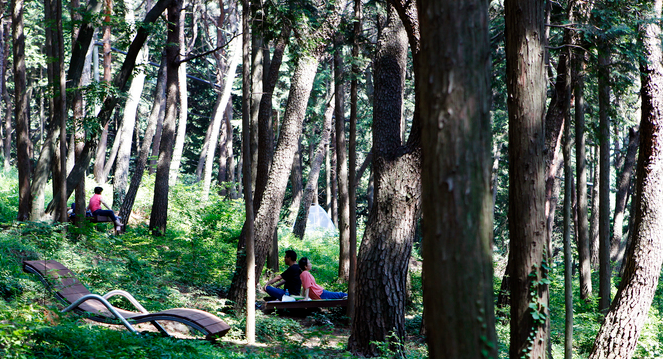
<point x="311" y="289"/>
<point x="95" y="207"/>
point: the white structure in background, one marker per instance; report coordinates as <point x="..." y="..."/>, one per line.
<point x="318" y="219"/>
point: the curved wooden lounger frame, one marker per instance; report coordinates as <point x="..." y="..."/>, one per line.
<point x="73" y="294"/>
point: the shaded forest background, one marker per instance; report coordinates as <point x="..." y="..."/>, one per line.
<point x="179" y="114"/>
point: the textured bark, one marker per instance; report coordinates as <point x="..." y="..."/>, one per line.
<point x="100" y="174"/>
<point x="456" y="174"/>
<point x="296" y="184"/>
<point x="568" y="255"/>
<point x="266" y="217"/>
<point x="333" y="171"/>
<point x="341" y="165"/>
<point x="7" y="120"/>
<point x="121" y="176"/>
<point x="316" y="163"/>
<point x="159" y="214"/>
<point x="623" y="189"/>
<point x="604" y="180"/>
<point x="385" y="250"/>
<point x="250" y="274"/>
<point x="526" y="87"/>
<point x="20" y="112"/>
<point x="159" y="94"/>
<point x="594" y="218"/>
<point x="352" y="149"/>
<point x="265" y="134"/>
<point x="619" y="333"/>
<point x="219" y="107"/>
<point x="183" y="102"/>
<point x="584" y="256"/>
<point x="257" y="66"/>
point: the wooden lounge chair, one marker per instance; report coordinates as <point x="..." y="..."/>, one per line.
<point x="73" y="294"/>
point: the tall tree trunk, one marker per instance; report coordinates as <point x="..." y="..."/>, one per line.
<point x="568" y="256"/>
<point x="221" y="104"/>
<point x="619" y="333"/>
<point x="265" y="134"/>
<point x="247" y="175"/>
<point x="266" y="218"/>
<point x="316" y="163"/>
<point x="159" y="216"/>
<point x="342" y="165"/>
<point x="20" y="112"/>
<point x="604" y="181"/>
<point x="383" y="259"/>
<point x="7" y="120"/>
<point x="100" y="161"/>
<point x="461" y="325"/>
<point x="352" y="148"/>
<point x="623" y="187"/>
<point x="526" y="86"/>
<point x="183" y="101"/>
<point x="159" y="94"/>
<point x="257" y="66"/>
<point x="584" y="256"/>
<point x="121" y="176"/>
<point x="594" y="218"/>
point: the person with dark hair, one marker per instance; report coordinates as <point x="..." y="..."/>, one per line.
<point x="95" y="207"/>
<point x="311" y="289"/>
<point x="289" y="278"/>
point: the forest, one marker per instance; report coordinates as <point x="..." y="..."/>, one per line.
<point x="477" y="178"/>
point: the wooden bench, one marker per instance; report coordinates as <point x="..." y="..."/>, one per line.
<point x="305" y="304"/>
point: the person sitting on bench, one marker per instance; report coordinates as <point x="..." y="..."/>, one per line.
<point x="95" y="207"/>
<point x="311" y="289"/>
<point x="290" y="278"/>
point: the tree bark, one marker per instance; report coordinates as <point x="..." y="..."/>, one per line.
<point x="316" y="163"/>
<point x="266" y="218"/>
<point x="7" y="120"/>
<point x="221" y="104"/>
<point x="121" y="176"/>
<point x="159" y="94"/>
<point x="257" y="75"/>
<point x="456" y="162"/>
<point x="604" y="180"/>
<point x="341" y="165"/>
<point x="296" y="184"/>
<point x="623" y="187"/>
<point x="265" y="135"/>
<point x="250" y="273"/>
<point x="382" y="263"/>
<point x="526" y="87"/>
<point x="568" y="256"/>
<point x="20" y="113"/>
<point x="584" y="254"/>
<point x="159" y="216"/>
<point x="183" y="101"/>
<point x="352" y="148"/>
<point x="619" y="333"/>
<point x="100" y="161"/>
<point x="594" y="218"/>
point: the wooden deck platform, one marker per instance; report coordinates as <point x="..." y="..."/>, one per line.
<point x="301" y="304"/>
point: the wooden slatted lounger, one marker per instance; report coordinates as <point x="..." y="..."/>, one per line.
<point x="72" y="293"/>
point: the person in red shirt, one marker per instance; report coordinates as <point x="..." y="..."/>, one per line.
<point x="95" y="207"/>
<point x="311" y="289"/>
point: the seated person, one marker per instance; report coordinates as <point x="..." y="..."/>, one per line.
<point x="95" y="207"/>
<point x="311" y="289"/>
<point x="290" y="278"/>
